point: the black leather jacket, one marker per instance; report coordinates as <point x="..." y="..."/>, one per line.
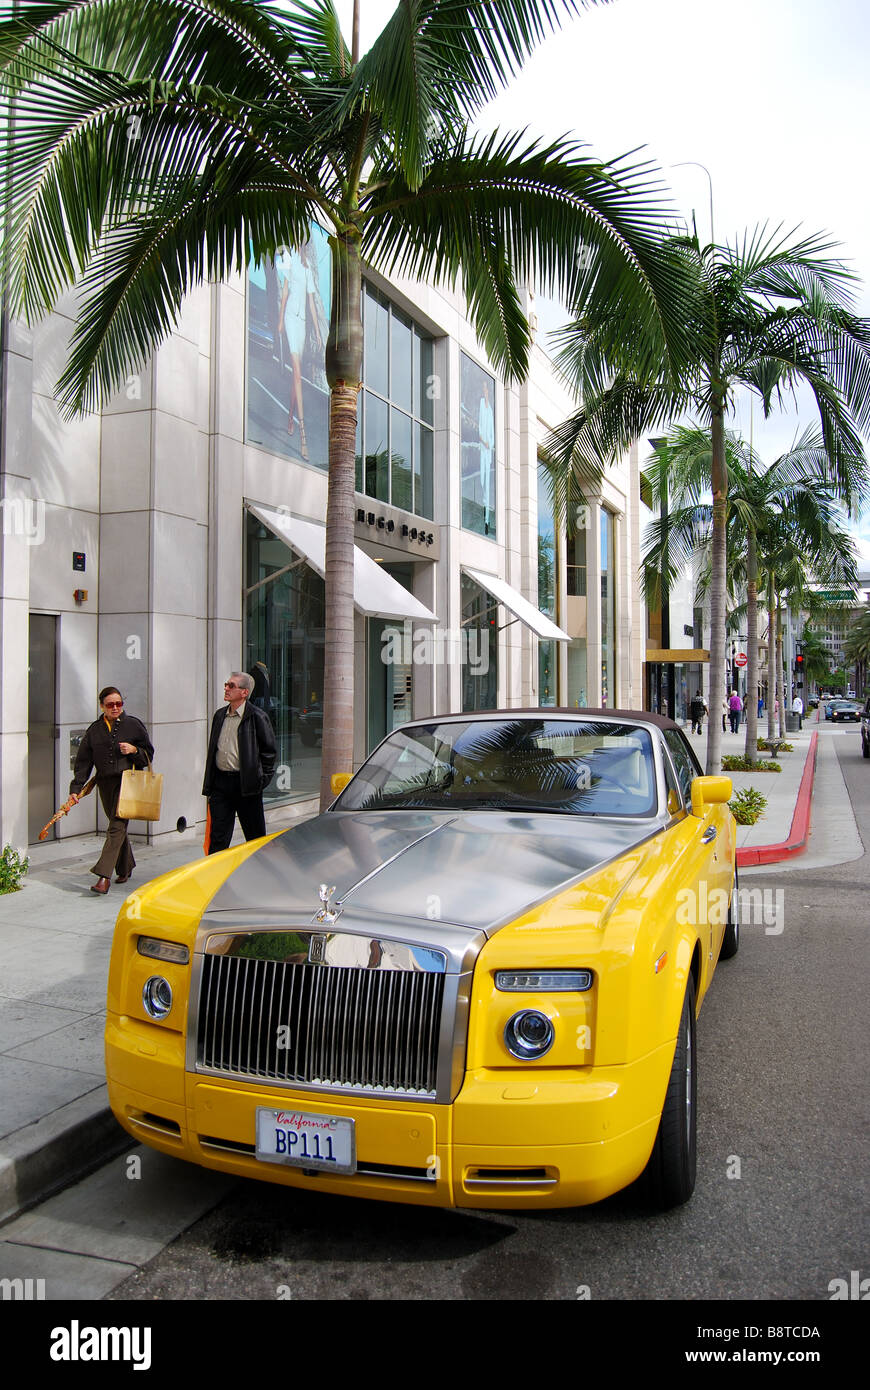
<point x="99" y="749"/>
<point x="258" y="752"/>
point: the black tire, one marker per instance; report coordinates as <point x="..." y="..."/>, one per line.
<point x="865" y="747"/>
<point x="669" y="1178"/>
<point x="731" y="938"/>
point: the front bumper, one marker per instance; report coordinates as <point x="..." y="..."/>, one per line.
<point x="513" y="1137"/>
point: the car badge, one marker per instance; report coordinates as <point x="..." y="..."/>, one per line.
<point x="327" y="913"/>
<point x="317" y="950"/>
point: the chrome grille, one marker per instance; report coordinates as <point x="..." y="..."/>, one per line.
<point x="341" y="1026"/>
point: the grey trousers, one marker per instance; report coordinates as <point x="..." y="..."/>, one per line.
<point x="117" y="855"/>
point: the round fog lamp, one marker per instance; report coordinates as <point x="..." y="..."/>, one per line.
<point x="157" y="996"/>
<point x="529" y="1034"/>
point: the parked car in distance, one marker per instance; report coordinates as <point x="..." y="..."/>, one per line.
<point x="472" y="982"/>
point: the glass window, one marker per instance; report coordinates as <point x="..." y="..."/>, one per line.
<point x="397" y="368"/>
<point x="376" y="362"/>
<point x="284" y="618"/>
<point x="608" y="609"/>
<point x="575" y="768"/>
<point x="423" y="502"/>
<point x="684" y="761"/>
<point x="377" y="455"/>
<point x="547" y="682"/>
<point x="288" y="323"/>
<point x="479" y="647"/>
<point x="401" y="361"/>
<point x="477" y="436"/>
<point x="576" y="567"/>
<point x="401" y="494"/>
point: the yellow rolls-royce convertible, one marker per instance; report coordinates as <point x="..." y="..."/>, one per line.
<point x="472" y="982"/>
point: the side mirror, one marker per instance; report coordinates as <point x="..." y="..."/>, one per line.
<point x="709" y="791"/>
<point x="338" y="781"/>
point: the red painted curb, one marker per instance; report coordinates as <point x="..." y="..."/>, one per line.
<point x="796" y="843"/>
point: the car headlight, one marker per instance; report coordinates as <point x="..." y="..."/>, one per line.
<point x="158" y="949"/>
<point x="528" y="1035"/>
<point x="157" y="996"/>
<point x="543" y="981"/>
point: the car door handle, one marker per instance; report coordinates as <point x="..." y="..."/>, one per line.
<point x="709" y="835"/>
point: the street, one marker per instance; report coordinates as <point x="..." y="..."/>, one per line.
<point x="778" y="1212"/>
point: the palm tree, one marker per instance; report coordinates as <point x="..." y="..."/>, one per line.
<point x="781" y="522"/>
<point x="857" y="648"/>
<point x="158" y="142"/>
<point x="767" y="314"/>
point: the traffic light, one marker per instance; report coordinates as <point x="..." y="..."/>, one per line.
<point x="799" y="662"/>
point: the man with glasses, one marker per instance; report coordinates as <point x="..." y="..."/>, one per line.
<point x="113" y="743"/>
<point x="239" y="765"/>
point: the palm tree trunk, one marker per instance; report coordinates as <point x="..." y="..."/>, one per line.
<point x="719" y="479"/>
<point x="751" y="747"/>
<point x="343" y="372"/>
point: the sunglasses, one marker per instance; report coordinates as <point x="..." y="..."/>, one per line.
<point x="113" y="704"/>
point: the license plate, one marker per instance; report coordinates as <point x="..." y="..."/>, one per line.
<point x="306" y="1140"/>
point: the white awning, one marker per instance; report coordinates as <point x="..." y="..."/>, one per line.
<point x="513" y="600"/>
<point x="375" y="593"/>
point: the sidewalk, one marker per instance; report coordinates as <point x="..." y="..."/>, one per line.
<point x="55" y="942"/>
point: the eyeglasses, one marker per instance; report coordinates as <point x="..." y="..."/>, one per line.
<point x="231" y="685"/>
<point x="113" y="704"/>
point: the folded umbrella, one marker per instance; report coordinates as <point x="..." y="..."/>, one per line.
<point x="67" y="806"/>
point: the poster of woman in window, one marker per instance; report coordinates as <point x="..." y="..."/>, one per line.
<point x="478" y="448"/>
<point x="288" y="322"/>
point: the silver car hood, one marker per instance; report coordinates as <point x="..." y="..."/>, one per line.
<point x="479" y="869"/>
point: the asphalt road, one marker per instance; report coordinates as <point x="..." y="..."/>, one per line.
<point x="779" y="1211"/>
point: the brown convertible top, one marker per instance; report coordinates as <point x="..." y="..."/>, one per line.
<point x="645" y="716"/>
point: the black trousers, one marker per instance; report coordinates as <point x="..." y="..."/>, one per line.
<point x="225" y="803"/>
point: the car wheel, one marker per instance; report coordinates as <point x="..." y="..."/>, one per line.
<point x="669" y="1177"/>
<point x="731" y="938"/>
<point x="865" y="747"/>
<point x="308" y="737"/>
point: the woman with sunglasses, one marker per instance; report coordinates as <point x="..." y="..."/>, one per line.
<point x="113" y="743"/>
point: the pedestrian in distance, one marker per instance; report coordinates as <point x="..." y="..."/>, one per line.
<point x="241" y="759"/>
<point x="697" y="709"/>
<point x="735" y="709"/>
<point x="111" y="745"/>
<point x="797" y="707"/>
<point x="724" y="714"/>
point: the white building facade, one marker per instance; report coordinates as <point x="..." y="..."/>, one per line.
<point x="175" y="537"/>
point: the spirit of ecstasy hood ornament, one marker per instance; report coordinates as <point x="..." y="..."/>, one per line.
<point x="327" y="913"/>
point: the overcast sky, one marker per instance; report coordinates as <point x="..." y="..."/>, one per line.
<point x="770" y="95"/>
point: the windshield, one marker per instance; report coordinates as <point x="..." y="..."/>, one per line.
<point x="585" y="767"/>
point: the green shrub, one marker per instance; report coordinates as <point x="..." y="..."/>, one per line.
<point x="733" y="762"/>
<point x="747" y="805"/>
<point x="12" y="869"/>
<point x="765" y="747"/>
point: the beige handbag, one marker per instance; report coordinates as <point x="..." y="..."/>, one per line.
<point x="141" y="791"/>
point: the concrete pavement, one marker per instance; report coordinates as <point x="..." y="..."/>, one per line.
<point x="55" y="942"/>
